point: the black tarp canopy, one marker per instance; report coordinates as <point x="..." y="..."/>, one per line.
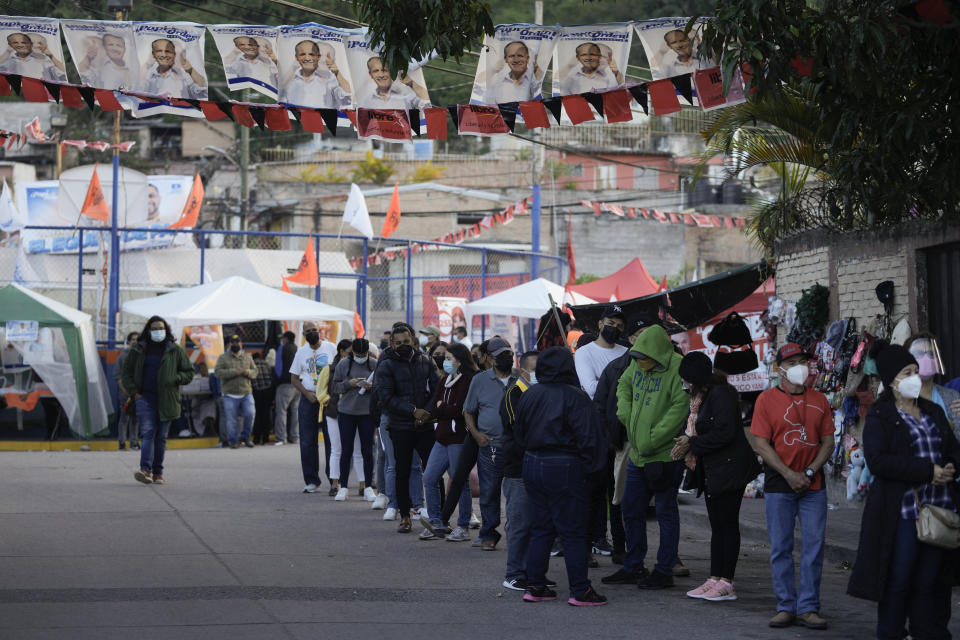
<point x="688" y="305"/>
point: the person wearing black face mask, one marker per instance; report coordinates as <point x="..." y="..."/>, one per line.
<point x="305" y="372"/>
<point x="236" y="371"/>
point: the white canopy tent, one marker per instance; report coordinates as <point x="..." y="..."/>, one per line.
<point x="233" y="299"/>
<point x="528" y="300"/>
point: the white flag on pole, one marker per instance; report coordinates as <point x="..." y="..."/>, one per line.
<point x="10" y="220"/>
<point x="355" y="214"/>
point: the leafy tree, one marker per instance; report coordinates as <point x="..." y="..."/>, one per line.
<point x="372" y="169"/>
<point x="427" y="171"/>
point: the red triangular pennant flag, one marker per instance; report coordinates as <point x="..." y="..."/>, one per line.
<point x="307" y="273"/>
<point x="616" y="106"/>
<point x="663" y="96"/>
<point x="534" y="114"/>
<point x="191" y="210"/>
<point x="436" y="118"/>
<point x="311" y="120"/>
<point x="578" y="109"/>
<point x="277" y="119"/>
<point x="33" y="90"/>
<point x="358" y="329"/>
<point x="94" y="205"/>
<point x="4" y="86"/>
<point x="211" y="111"/>
<point x="106" y="100"/>
<point x="392" y="220"/>
<point x="70" y="96"/>
<point x="242" y="114"/>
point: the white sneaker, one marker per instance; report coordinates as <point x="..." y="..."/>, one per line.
<point x="369" y="495"/>
<point x="184" y="433"/>
<point x="310" y="488"/>
<point x="474" y="521"/>
<point x="380" y="502"/>
<point x="279" y="443"/>
<point x="341" y="494"/>
<point x="391" y="514"/>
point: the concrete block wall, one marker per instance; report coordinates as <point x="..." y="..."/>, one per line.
<point x="857" y="279"/>
<point x="801" y="270"/>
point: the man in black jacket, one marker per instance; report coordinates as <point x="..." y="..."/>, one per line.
<point x="404" y="382"/>
<point x="285" y="400"/>
<point x="563" y="441"/>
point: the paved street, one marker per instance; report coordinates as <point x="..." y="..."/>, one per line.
<point x="229" y="548"/>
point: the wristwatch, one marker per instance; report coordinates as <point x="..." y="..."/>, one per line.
<point x="810" y="473"/>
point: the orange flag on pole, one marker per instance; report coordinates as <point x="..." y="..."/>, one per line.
<point x="284" y="287"/>
<point x="393" y="214"/>
<point x="307" y="273"/>
<point x="358" y="329"/>
<point x="191" y="210"/>
<point x="94" y="206"/>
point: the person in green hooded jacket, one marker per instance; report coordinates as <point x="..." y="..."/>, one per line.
<point x="653" y="405"/>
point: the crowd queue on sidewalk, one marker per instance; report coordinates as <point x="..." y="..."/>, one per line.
<point x="579" y="442"/>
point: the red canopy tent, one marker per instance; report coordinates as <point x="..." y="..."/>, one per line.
<point x="632" y="281"/>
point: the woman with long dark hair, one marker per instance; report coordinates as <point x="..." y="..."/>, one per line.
<point x="153" y="372"/>
<point x="716" y="449"/>
<point x="350" y="382"/>
<point x="912" y="452"/>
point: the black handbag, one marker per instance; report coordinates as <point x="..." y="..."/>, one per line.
<point x="736" y="362"/>
<point x="732" y="331"/>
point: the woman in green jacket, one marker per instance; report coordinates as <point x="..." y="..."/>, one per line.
<point x="153" y="372"/>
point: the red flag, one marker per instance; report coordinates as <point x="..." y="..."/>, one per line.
<point x="285" y="287"/>
<point x="577" y="108"/>
<point x="663" y="95"/>
<point x="33" y="90"/>
<point x="191" y="210"/>
<point x="386" y="124"/>
<point x="475" y="118"/>
<point x="392" y="220"/>
<point x="663" y="284"/>
<point x="94" y="205"/>
<point x="106" y="100"/>
<point x="616" y="106"/>
<point x="242" y="114"/>
<point x="277" y="119"/>
<point x="307" y="273"/>
<point x="436" y="118"/>
<point x="311" y="120"/>
<point x="211" y="111"/>
<point x="4" y="86"/>
<point x="570" y="257"/>
<point x="534" y="114"/>
<point x="358" y="329"/>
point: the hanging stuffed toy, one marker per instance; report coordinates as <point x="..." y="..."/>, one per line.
<point x="866" y="479"/>
<point x="857" y="463"/>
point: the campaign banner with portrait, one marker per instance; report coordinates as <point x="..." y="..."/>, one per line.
<point x="314" y="71"/>
<point x="451" y="315"/>
<point x="591" y="57"/>
<point x="31" y="48"/>
<point x="209" y="339"/>
<point x="708" y="84"/>
<point x="249" y="55"/>
<point x="384" y="124"/>
<point x="376" y="87"/>
<point x="103" y="53"/>
<point x="670" y="51"/>
<point x="513" y="63"/>
<point x="171" y="66"/>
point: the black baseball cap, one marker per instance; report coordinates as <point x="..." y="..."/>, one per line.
<point x="638" y="321"/>
<point x="613" y="311"/>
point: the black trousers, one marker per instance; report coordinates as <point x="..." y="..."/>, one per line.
<point x="263" y="420"/>
<point x="600" y="488"/>
<point x="724" y="513"/>
<point x="468" y="459"/>
<point x="405" y="442"/>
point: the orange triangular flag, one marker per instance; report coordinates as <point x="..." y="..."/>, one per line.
<point x="358" y="329"/>
<point x="94" y="206"/>
<point x="285" y="287"/>
<point x="307" y="272"/>
<point x="393" y="214"/>
<point x="191" y="210"/>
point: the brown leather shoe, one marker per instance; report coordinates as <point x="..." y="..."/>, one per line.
<point x="404" y="526"/>
<point x="781" y="620"/>
<point x="489" y="545"/>
<point x="811" y="620"/>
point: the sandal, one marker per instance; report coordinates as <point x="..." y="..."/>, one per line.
<point x="404" y="525"/>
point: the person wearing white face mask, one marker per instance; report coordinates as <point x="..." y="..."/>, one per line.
<point x="351" y="380"/>
<point x="923" y="347"/>
<point x="912" y="452"/>
<point x="792" y="430"/>
<point x="429" y="339"/>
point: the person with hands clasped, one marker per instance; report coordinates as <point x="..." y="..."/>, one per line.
<point x="350" y="382"/>
<point x="307" y="372"/>
<point x="792" y="431"/>
<point x="912" y="452"/>
<point x="236" y="371"/>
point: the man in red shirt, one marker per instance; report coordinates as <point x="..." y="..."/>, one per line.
<point x="793" y="432"/>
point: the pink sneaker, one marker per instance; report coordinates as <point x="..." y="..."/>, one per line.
<point x="721" y="591"/>
<point x="702" y="589"/>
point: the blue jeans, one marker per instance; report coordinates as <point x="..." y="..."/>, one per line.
<point x="636" y="497"/>
<point x="309" y="429"/>
<point x="245" y="406"/>
<point x="390" y="472"/>
<point x="783" y="509"/>
<point x="444" y="458"/>
<point x="556" y="505"/>
<point x="153" y="437"/>
<point x="517" y="527"/>
<point x="490" y="474"/>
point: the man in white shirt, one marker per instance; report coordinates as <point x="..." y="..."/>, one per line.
<point x="167" y="79"/>
<point x="113" y="73"/>
<point x="517" y="81"/>
<point x="387" y="94"/>
<point x="592" y="358"/>
<point x="460" y="337"/>
<point x="32" y="58"/>
<point x="252" y="64"/>
<point x="315" y="86"/>
<point x="305" y="371"/>
<point x="682" y="59"/>
<point x="592" y="74"/>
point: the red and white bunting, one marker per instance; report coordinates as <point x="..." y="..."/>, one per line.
<point x="671" y="217"/>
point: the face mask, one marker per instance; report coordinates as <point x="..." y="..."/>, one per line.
<point x="235" y="348"/>
<point x="449" y="367"/>
<point x="910" y="387"/>
<point x="405" y="351"/>
<point x="359" y="359"/>
<point x="610" y="334"/>
<point x="423" y="340"/>
<point x="157" y="335"/>
<point x="797" y="374"/>
<point x="928" y="366"/>
<point x="313" y="337"/>
<point x="533" y="377"/>
<point x="504" y="361"/>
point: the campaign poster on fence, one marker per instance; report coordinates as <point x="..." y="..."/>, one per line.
<point x="32" y="48"/>
<point x="376" y="86"/>
<point x="171" y="66"/>
<point x="591" y="57"/>
<point x="209" y="339"/>
<point x="313" y="67"/>
<point x="249" y="56"/>
<point x="450" y="315"/>
<point x="709" y="86"/>
<point x="513" y="63"/>
<point x="670" y="51"/>
<point x="103" y="52"/>
<point x="756" y="380"/>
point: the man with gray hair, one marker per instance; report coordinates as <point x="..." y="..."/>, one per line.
<point x="305" y="373"/>
<point x="318" y="82"/>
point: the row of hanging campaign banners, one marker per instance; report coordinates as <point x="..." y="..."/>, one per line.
<point x="160" y="67"/>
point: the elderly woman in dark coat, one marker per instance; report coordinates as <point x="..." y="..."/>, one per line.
<point x="912" y="451"/>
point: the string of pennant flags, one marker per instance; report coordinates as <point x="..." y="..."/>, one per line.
<point x="674" y="217"/>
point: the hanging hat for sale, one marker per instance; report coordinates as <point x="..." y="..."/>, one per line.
<point x="732" y="331"/>
<point x="696" y="368"/>
<point x="885" y="295"/>
<point x="613" y="311"/>
<point x="891" y="359"/>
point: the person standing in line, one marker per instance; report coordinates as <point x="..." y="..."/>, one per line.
<point x="127" y="428"/>
<point x="285" y="427"/>
<point x="717" y="452"/>
<point x="331" y="415"/>
<point x="236" y="371"/>
<point x="404" y="384"/>
<point x="305" y="372"/>
<point x="563" y="442"/>
<point x="429" y="338"/>
<point x="263" y="393"/>
<point x="460" y="337"/>
<point x="912" y="452"/>
<point x="350" y="382"/>
<point x="153" y="372"/>
<point x="792" y="430"/>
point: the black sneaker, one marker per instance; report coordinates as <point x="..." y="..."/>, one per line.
<point x="515" y="584"/>
<point x="589" y="598"/>
<point x="539" y="594"/>
<point x="550" y="583"/>
<point x="617" y="557"/>
<point x="602" y="547"/>
<point x="332" y="492"/>
<point x="122" y="446"/>
<point x="656" y="580"/>
<point x="557" y="550"/>
<point x="622" y="576"/>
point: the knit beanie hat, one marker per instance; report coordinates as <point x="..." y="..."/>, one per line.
<point x="696" y="368"/>
<point x="891" y="359"/>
